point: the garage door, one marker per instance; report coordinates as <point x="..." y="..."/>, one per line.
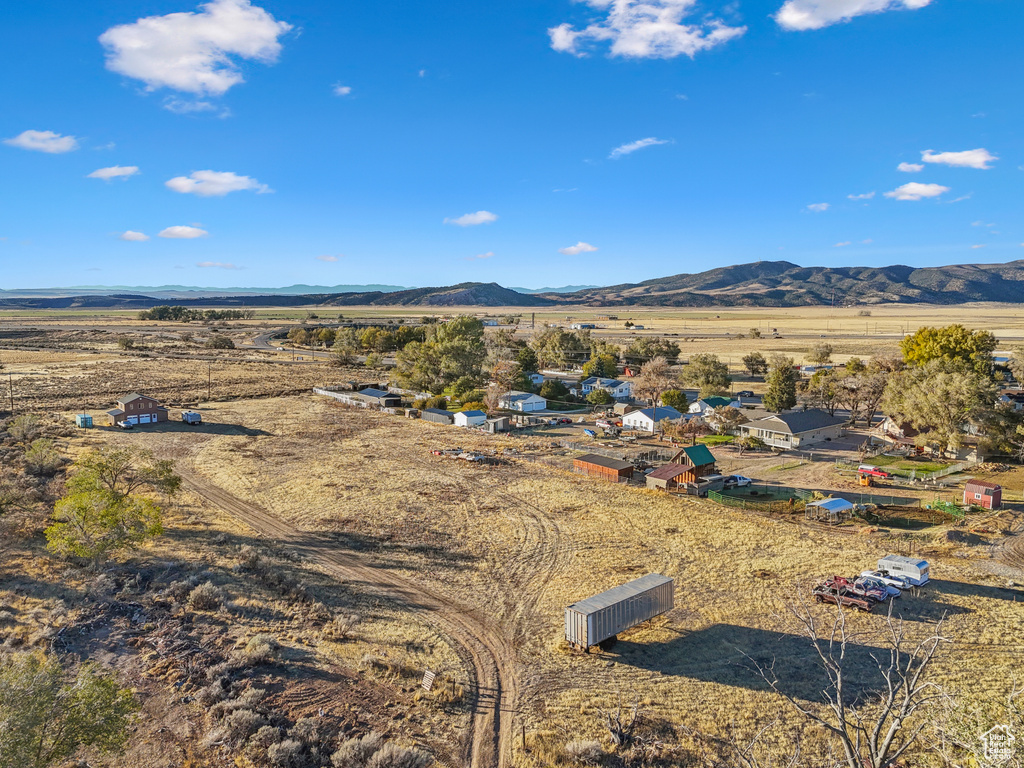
<point x="145" y="418"/>
<point x="132" y="419"/>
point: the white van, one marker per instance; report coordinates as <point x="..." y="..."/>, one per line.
<point x="910" y="568"/>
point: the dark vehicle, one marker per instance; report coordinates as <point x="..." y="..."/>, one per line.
<point x="745" y="393"/>
<point x="833" y="591"/>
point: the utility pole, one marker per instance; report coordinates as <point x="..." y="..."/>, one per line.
<point x="10" y="380"/>
<point x="209" y="382"/>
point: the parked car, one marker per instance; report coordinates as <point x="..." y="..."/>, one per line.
<point x="745" y="393"/>
<point x="125" y="425"/>
<point x="826" y="593"/>
<point x="872" y="471"/>
<point x="736" y="481"/>
<point x="875" y="583"/>
<point x="565" y="420"/>
<point x="889" y="579"/>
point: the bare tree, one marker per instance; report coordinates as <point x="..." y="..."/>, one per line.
<point x="655" y="378"/>
<point x="876" y="731"/>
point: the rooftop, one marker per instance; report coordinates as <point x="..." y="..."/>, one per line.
<point x="604" y="461"/>
<point x="618" y="594"/>
<point x="796" y="422"/>
<point x="698" y="455"/>
<point x="664" y="412"/>
<point x="668" y="472"/>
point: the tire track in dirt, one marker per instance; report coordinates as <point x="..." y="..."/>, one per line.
<point x="487" y="653"/>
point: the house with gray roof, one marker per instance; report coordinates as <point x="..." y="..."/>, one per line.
<point x="796" y="429"/>
<point x="522" y="401"/>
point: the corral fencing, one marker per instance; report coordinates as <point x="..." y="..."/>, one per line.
<point x="794" y="504"/>
<point x="622" y="455"/>
<point x="909" y="476"/>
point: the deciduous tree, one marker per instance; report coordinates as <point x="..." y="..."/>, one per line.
<point x="755" y="364"/>
<point x="708" y="374"/>
<point x="952" y="343"/>
<point x="45" y="718"/>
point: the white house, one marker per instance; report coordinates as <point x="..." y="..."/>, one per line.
<point x="796" y="429"/>
<point x="470" y="418"/>
<point x="643" y="420"/>
<point x="707" y="404"/>
<point x="522" y="401"/>
<point x="535" y="378"/>
<point x="620" y="390"/>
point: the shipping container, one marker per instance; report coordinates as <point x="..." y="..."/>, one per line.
<point x="438" y="416"/>
<point x="603" y="616"/>
<point x="83" y="420"/>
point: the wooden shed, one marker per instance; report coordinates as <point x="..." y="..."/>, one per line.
<point x="983" y="494"/>
<point x="697" y="460"/>
<point x="604" y="467"/>
<point x="669" y="476"/>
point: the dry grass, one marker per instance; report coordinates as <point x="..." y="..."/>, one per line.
<point x="519" y="542"/>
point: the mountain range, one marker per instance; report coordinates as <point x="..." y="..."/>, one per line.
<point x="759" y="284"/>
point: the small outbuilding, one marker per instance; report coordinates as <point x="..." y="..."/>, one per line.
<point x="831" y="510"/>
<point x="470" y="418"/>
<point x="83" y="420"/>
<point x="981" y="493"/>
<point x="438" y="416"/>
<point x="669" y="476"/>
<point x="499" y="424"/>
<point x="604" y="467"/>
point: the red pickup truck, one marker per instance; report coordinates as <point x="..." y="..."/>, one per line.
<point x="830" y="592"/>
<point x="871" y="471"/>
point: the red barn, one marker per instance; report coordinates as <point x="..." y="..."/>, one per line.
<point x="983" y="494"/>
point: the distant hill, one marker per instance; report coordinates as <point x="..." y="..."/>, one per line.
<point x="783" y="284"/>
<point x="761" y="284"/>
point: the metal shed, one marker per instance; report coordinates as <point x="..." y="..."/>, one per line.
<point x="83" y="420"/>
<point x="603" y="616"/>
<point x="438" y="416"/>
<point x="604" y="467"/>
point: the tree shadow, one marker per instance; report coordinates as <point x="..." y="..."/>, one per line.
<point x="206" y="428"/>
<point x="730" y="655"/>
<point x="965" y="589"/>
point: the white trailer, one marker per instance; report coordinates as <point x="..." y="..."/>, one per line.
<point x="191" y="417"/>
<point x="915" y="571"/>
<point x="603" y="616"/>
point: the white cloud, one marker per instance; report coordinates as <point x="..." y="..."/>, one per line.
<point x="214" y="184"/>
<point x="183" y="233"/>
<point x="869" y="241"/>
<point x="916" y="191"/>
<point x="216" y="265"/>
<point x="576" y="250"/>
<point x="982" y="224"/>
<point x="644" y="29"/>
<point x="488" y="255"/>
<point x="842" y="244"/>
<point x="114" y="172"/>
<point x="971" y="158"/>
<point x="864" y="196"/>
<point x="976" y="247"/>
<point x="802" y="15"/>
<point x="43" y="141"/>
<point x="473" y="219"/>
<point x="633" y="146"/>
<point x="194" y="52"/>
<point x="818" y="207"/>
<point x="327" y="258"/>
<point x="910" y="167"/>
<point x="341" y="90"/>
<point x="134" y="237"/>
<point x="423" y="73"/>
<point x="187" y="106"/>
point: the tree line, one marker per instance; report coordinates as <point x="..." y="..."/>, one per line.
<point x="179" y="314"/>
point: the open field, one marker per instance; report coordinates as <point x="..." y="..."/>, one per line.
<point x="515" y="543"/>
<point x="437" y="555"/>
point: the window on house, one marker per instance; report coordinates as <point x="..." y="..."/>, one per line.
<point x="977" y="496"/>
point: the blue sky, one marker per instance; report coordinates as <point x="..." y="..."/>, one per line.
<point x="532" y="143"/>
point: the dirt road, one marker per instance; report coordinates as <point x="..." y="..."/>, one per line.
<point x="485" y="651"/>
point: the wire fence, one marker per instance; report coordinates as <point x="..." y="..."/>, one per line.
<point x="912" y="476"/>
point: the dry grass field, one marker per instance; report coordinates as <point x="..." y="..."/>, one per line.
<point x="517" y="542"/>
<point x="511" y="544"/>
